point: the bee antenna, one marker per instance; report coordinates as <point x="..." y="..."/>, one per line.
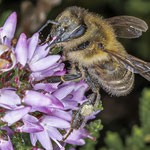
<point x="47" y="23"/>
<point x="70" y="131"/>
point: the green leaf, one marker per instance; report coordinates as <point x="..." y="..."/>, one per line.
<point x="144" y="108"/>
<point x="94" y="128"/>
<point x="113" y="141"/>
<point x="21" y="141"/>
<point x="4" y="16"/>
<point x="136" y="140"/>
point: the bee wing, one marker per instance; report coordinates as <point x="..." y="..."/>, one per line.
<point x="128" y="26"/>
<point x="132" y="63"/>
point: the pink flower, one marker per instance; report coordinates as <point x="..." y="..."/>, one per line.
<point x="15" y="115"/>
<point x="31" y="53"/>
<point x="8" y="30"/>
<point x="21" y="49"/>
<point x="6" y="35"/>
<point x="70" y="94"/>
<point x="50" y="125"/>
<point x="31" y="125"/>
<point x="31" y="104"/>
<point x="9" y="99"/>
<point x="77" y="137"/>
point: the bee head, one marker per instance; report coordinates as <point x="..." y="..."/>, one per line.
<point x="70" y="26"/>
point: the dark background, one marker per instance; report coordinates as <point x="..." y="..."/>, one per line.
<point x="120" y="113"/>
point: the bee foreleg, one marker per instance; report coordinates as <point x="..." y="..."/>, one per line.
<point x="71" y="77"/>
<point x="55" y="79"/>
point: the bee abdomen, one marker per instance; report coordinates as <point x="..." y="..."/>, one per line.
<point x="116" y="81"/>
<point x="119" y="87"/>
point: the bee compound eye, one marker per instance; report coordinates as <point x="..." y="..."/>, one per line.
<point x="79" y="32"/>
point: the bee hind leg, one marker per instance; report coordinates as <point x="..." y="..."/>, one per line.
<point x="86" y="109"/>
<point x="94" y="86"/>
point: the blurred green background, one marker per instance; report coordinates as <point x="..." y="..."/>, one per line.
<point x="120" y="114"/>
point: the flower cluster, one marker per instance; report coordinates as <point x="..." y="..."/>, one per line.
<point x="27" y="105"/>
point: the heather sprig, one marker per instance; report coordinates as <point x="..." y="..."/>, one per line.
<point x="41" y="109"/>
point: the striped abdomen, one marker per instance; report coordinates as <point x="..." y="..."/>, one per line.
<point x="114" y="78"/>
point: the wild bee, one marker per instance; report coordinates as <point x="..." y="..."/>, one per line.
<point x="89" y="43"/>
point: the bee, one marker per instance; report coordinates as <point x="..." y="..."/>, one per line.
<point x="90" y="44"/>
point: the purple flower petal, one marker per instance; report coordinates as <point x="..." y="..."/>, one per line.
<point x="60" y="147"/>
<point x="55" y="102"/>
<point x="48" y="87"/>
<point x="30" y="118"/>
<point x="75" y="142"/>
<point x="69" y="104"/>
<point x="6" y="144"/>
<point x="41" y="75"/>
<point x="31" y="124"/>
<point x="34" y="98"/>
<point x="44" y="139"/>
<point x="6" y="106"/>
<point x="13" y="116"/>
<point x="41" y="52"/>
<point x="78" y="95"/>
<point x="33" y="139"/>
<point x="9" y="98"/>
<point x="36" y="76"/>
<point x="59" y="70"/>
<point x="76" y="137"/>
<point x="81" y="84"/>
<point x="44" y="63"/>
<point x="46" y="73"/>
<point x="21" y="49"/>
<point x="46" y="110"/>
<point x="64" y="91"/>
<point x="33" y="42"/>
<point x="6" y="41"/>
<point x="10" y="26"/>
<point x="30" y="127"/>
<point x="59" y="67"/>
<point x="54" y="133"/>
<point x="92" y="116"/>
<point x="62" y="114"/>
<point x="60" y="73"/>
<point x="55" y="122"/>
